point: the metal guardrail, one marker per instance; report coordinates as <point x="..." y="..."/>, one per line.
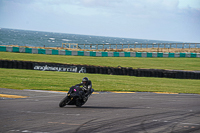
<point x="136" y="45"/>
<point x="68" y="45"/>
<point x="100" y="53"/>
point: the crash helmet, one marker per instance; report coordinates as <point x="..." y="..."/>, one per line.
<point x="85" y="80"/>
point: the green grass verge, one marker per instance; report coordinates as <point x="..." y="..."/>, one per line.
<point x="51" y="80"/>
<point x="149" y="63"/>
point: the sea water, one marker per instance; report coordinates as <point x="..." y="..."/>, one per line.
<point x="52" y="39"/>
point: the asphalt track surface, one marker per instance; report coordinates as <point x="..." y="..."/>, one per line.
<point x="103" y="113"/>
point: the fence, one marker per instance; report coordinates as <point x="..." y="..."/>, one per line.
<point x="97" y="53"/>
<point x="136" y="45"/>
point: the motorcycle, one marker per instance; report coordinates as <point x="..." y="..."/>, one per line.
<point x="75" y="96"/>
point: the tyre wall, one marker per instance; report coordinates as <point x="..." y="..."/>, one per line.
<point x="100" y="70"/>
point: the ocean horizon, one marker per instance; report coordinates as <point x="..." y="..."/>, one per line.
<point x="54" y="39"/>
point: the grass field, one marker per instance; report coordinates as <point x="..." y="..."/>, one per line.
<point x="61" y="81"/>
<point x="134" y="62"/>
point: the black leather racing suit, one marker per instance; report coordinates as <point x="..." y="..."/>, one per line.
<point x="86" y="87"/>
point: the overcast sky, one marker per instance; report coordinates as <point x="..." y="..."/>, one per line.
<point x="170" y="20"/>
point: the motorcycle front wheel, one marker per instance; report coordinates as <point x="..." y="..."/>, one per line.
<point x="63" y="102"/>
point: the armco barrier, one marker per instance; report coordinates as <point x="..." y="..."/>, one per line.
<point x="98" y="54"/>
<point x="100" y="70"/>
<point x="3" y="48"/>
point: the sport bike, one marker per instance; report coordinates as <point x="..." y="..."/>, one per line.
<point x="75" y="96"/>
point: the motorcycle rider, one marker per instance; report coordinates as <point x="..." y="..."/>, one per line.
<point x="83" y="93"/>
<point x="87" y="86"/>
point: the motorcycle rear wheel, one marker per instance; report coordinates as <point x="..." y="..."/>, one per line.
<point x="79" y="103"/>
